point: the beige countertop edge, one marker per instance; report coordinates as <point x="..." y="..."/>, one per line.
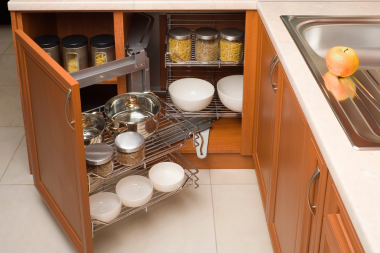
<point x="355" y="173"/>
<point x="131" y="5"/>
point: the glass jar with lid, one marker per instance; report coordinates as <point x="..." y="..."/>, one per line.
<point x="206" y="44"/>
<point x="130" y="148"/>
<point x="99" y="159"/>
<point x="74" y="53"/>
<point x="102" y="49"/>
<point x="50" y="44"/>
<point x="231" y="44"/>
<point x="179" y="41"/>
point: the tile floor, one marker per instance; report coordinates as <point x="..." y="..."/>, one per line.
<point x="223" y="215"/>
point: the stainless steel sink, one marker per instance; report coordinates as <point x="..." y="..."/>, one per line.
<point x="315" y="35"/>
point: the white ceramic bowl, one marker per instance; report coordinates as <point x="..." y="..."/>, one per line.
<point x="167" y="176"/>
<point x="230" y="91"/>
<point x="191" y="94"/>
<point x="105" y="206"/>
<point x="134" y="190"/>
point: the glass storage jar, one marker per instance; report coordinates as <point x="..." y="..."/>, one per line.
<point x="74" y="53"/>
<point x="179" y="40"/>
<point x="231" y="44"/>
<point x="50" y="44"/>
<point x="102" y="49"/>
<point x="206" y="44"/>
<point x="130" y="148"/>
<point x="99" y="159"/>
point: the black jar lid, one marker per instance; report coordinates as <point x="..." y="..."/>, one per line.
<point x="102" y="41"/>
<point x="74" y="41"/>
<point x="47" y="41"/>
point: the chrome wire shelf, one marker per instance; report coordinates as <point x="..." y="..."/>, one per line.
<point x="215" y="109"/>
<point x="196" y="23"/>
<point x="173" y="134"/>
<point x="143" y="170"/>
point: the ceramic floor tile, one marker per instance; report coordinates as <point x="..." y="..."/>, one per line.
<point x="10" y="49"/>
<point x="239" y="219"/>
<point x="26" y="223"/>
<point x="4" y="44"/>
<point x="8" y="70"/>
<point x="10" y="138"/>
<point x="204" y="176"/>
<point x="6" y="32"/>
<point x="10" y="106"/>
<point x="181" y="223"/>
<point x="233" y="176"/>
<point x="18" y="170"/>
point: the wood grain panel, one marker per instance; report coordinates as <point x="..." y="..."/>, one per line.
<point x="266" y="112"/>
<point x="57" y="152"/>
<point x="221" y="161"/>
<point x="338" y="222"/>
<point x="251" y="68"/>
<point x="225" y="137"/>
<point x="292" y="162"/>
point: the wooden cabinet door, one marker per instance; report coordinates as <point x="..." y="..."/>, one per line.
<point x="55" y="146"/>
<point x="265" y="115"/>
<point x="312" y="200"/>
<point x="337" y="232"/>
<point x="291" y="165"/>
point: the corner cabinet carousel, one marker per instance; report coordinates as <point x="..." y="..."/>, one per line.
<point x="53" y="116"/>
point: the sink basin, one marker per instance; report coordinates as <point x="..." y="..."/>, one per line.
<point x="359" y="115"/>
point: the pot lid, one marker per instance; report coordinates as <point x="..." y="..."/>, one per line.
<point x="179" y="33"/>
<point x="129" y="142"/>
<point x="231" y="34"/>
<point x="206" y="33"/>
<point x="98" y="153"/>
<point x="93" y="125"/>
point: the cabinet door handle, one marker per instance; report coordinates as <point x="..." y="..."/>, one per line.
<point x="272" y="65"/>
<point x="66" y="100"/>
<point x="313" y="177"/>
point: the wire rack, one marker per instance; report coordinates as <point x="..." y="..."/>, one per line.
<point x="215" y="109"/>
<point x="173" y="133"/>
<point x="193" y="24"/>
<point x="143" y="170"/>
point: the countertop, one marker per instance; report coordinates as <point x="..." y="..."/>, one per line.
<point x="355" y="173"/>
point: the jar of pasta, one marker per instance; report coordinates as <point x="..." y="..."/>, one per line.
<point x="102" y="49"/>
<point x="50" y="44"/>
<point x="179" y="40"/>
<point x="130" y="148"/>
<point x="74" y="52"/>
<point x="231" y="44"/>
<point x="206" y="44"/>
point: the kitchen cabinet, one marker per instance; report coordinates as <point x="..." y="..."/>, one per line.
<point x="53" y="124"/>
<point x="302" y="205"/>
<point x="338" y="234"/>
<point x="291" y="162"/>
<point x="265" y="114"/>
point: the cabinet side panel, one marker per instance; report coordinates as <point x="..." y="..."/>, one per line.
<point x="250" y="73"/>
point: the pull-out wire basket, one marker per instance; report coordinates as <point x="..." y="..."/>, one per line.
<point x="215" y="109"/>
<point x="173" y="133"/>
<point x="209" y="20"/>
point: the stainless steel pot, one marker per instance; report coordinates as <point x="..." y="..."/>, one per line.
<point x="134" y="111"/>
<point x="93" y="127"/>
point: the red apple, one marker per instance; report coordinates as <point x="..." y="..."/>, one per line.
<point x="342" y="61"/>
<point x="340" y="87"/>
